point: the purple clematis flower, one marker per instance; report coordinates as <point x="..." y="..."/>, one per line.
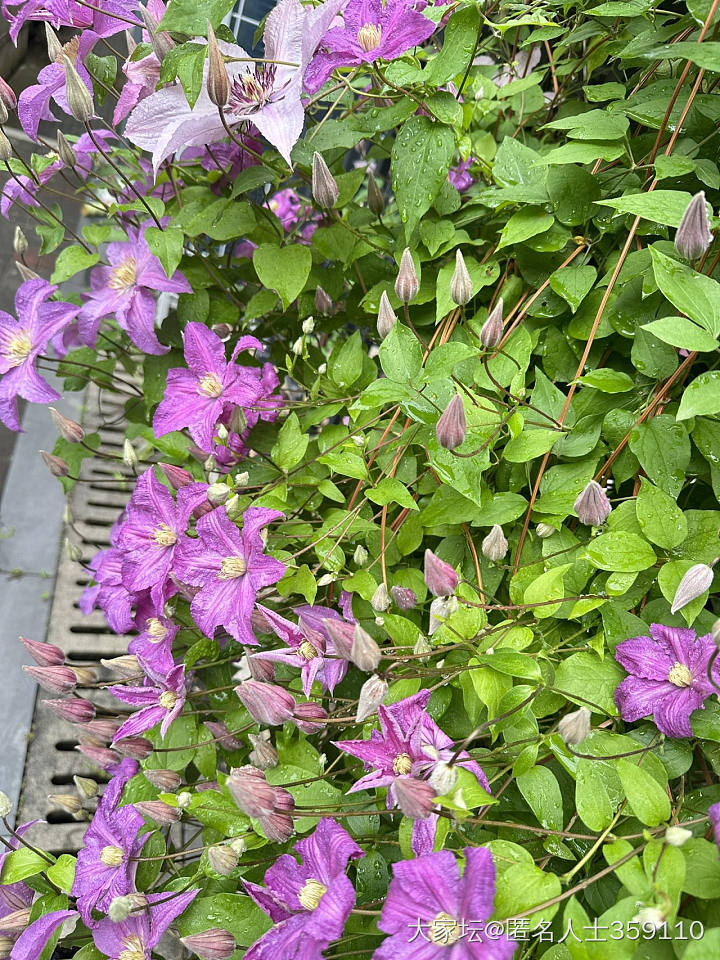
<point x="153" y="644"/>
<point x="432" y="913"/>
<point x="198" y="397"/>
<point x="142" y="75"/>
<point x="460" y="176"/>
<point x="264" y="94"/>
<point x="371" y="32"/>
<point x="265" y="406"/>
<point x="124" y="290"/>
<point x="308" y="902"/>
<point x="137" y="936"/>
<point x="104" y="20"/>
<point x="229" y="567"/>
<point x="714" y="815"/>
<point x="31" y="942"/>
<point x="161" y="701"/>
<point x="668" y="677"/>
<point x="106" y="864"/>
<point x="311" y="650"/>
<point x="409" y="745"/>
<point x="34" y="101"/>
<point x="109" y="592"/>
<point x="149" y="536"/>
<point x="23" y="339"/>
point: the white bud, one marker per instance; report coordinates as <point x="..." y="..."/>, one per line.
<point x="461" y="285"/>
<point x="5" y="804"/>
<point x="440" y="610"/>
<point x="184" y="800"/>
<point x="308" y="325"/>
<point x="130" y="457"/>
<point x="322" y="369"/>
<point x="361" y="555"/>
<point x="575" y="726"/>
<point x="380" y="599"/>
<point x="693" y="585"/>
<point x="544" y="530"/>
<point x="297" y="347"/>
<point x="372" y="694"/>
<point x="218" y="494"/>
<point x="650" y="917"/>
<point x="495" y="544"/>
<point x="386" y="316"/>
<point x="677" y="836"/>
<point x="443" y="778"/>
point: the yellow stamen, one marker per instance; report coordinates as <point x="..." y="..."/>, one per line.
<point x="369" y="36"/>
<point x="210" y="386"/>
<point x="18" y="348"/>
<point x="402" y="764"/>
<point x="156" y="631"/>
<point x="680" y="675"/>
<point x="167" y="700"/>
<point x="444" y="930"/>
<point x="311" y="894"/>
<point x="134" y="949"/>
<point x="111" y="856"/>
<point x="232" y="567"/>
<point x="124" y="274"/>
<point x="307" y="651"/>
<point x="164" y="536"/>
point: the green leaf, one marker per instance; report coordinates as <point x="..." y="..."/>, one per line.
<point x="420" y="145"/>
<point x="591" y="796"/>
<point x="701" y="397"/>
<point x="70" y="261"/>
<point x="292" y="442"/>
<point x="461" y="33"/>
<point x="530" y="444"/>
<point x="620" y="550"/>
<point x="62" y="873"/>
<point x="167" y="246"/>
<point x="573" y="284"/>
<point x="702" y="878"/>
<point x="648" y="800"/>
<point x="548" y="586"/>
<point x="542" y="793"/>
<point x="683" y="333"/>
<point x="527" y="222"/>
<point x="608" y="381"/>
<point x="589" y="679"/>
<point x="283" y="269"/>
<point x="191" y="16"/>
<point x="22" y="863"/>
<point x="663" y="449"/>
<point x="390" y="490"/>
<point x="660" y="206"/>
<point x="659" y="516"/>
<point x="692" y="293"/>
<point x="401" y="355"/>
<point x="346" y="362"/>
<point x="233" y="912"/>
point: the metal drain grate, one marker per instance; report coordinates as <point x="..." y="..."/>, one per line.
<point x="51" y="758"/>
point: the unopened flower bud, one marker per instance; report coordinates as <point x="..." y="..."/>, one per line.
<point x="68" y="429"/>
<point x="650" y="918"/>
<point x="53" y="679"/>
<point x="694" y="235"/>
<point x="361" y="556"/>
<point x="308" y="325"/>
<point x="79" y="98"/>
<point x="376" y="201"/>
<point x="461" y="285"/>
<point x="407" y="283"/>
<point x="127" y="665"/>
<point x="263" y="755"/>
<point x="416" y="798"/>
<point x="324" y="186"/>
<point x="86" y="788"/>
<point x="102" y="757"/>
<point x="177" y="476"/>
<point x="677" y="836"/>
<point x="386" y="316"/>
<point x="423" y="647"/>
<point x="693" y="585"/>
<point x="323" y="303"/>
<point x="441" y="609"/>
<point x="443" y="778"/>
<point x="56" y="465"/>
<point x="65" y="151"/>
<point x="75" y="710"/>
<point x="73" y="551"/>
<point x="451" y="427"/>
<point x="440" y="578"/>
<point x="85" y="676"/>
<point x="222" y="858"/>
<point x="404" y="597"/>
<point x="137" y="747"/>
<point x="213" y="944"/>
<point x="223" y="736"/>
<point x="130" y="457"/>
<point x="260" y="669"/>
<point x="68" y="801"/>
<point x="266" y="702"/>
<point x="44" y="654"/>
<point x="158" y="810"/>
<point x="218" y="494"/>
<point x="20" y="243"/>
<point x="121" y="907"/>
<point x="104" y="729"/>
<point x="309" y="716"/>
<point x="380" y="600"/>
<point x="575" y="726"/>
<point x="495" y="545"/>
<point x="16" y="921"/>
<point x="492" y="330"/>
<point x="365" y="652"/>
<point x="184" y="800"/>
<point x="298" y="347"/>
<point x="160" y="40"/>
<point x="341" y="635"/>
<point x="7" y="95"/>
<point x="218" y="81"/>
<point x="251" y="791"/>
<point x="592" y="505"/>
<point x="372" y="694"/>
<point x="166" y="780"/>
<point x="6" y="153"/>
<point x="544" y="530"/>
<point x="54" y="47"/>
<point x="5" y="804"/>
